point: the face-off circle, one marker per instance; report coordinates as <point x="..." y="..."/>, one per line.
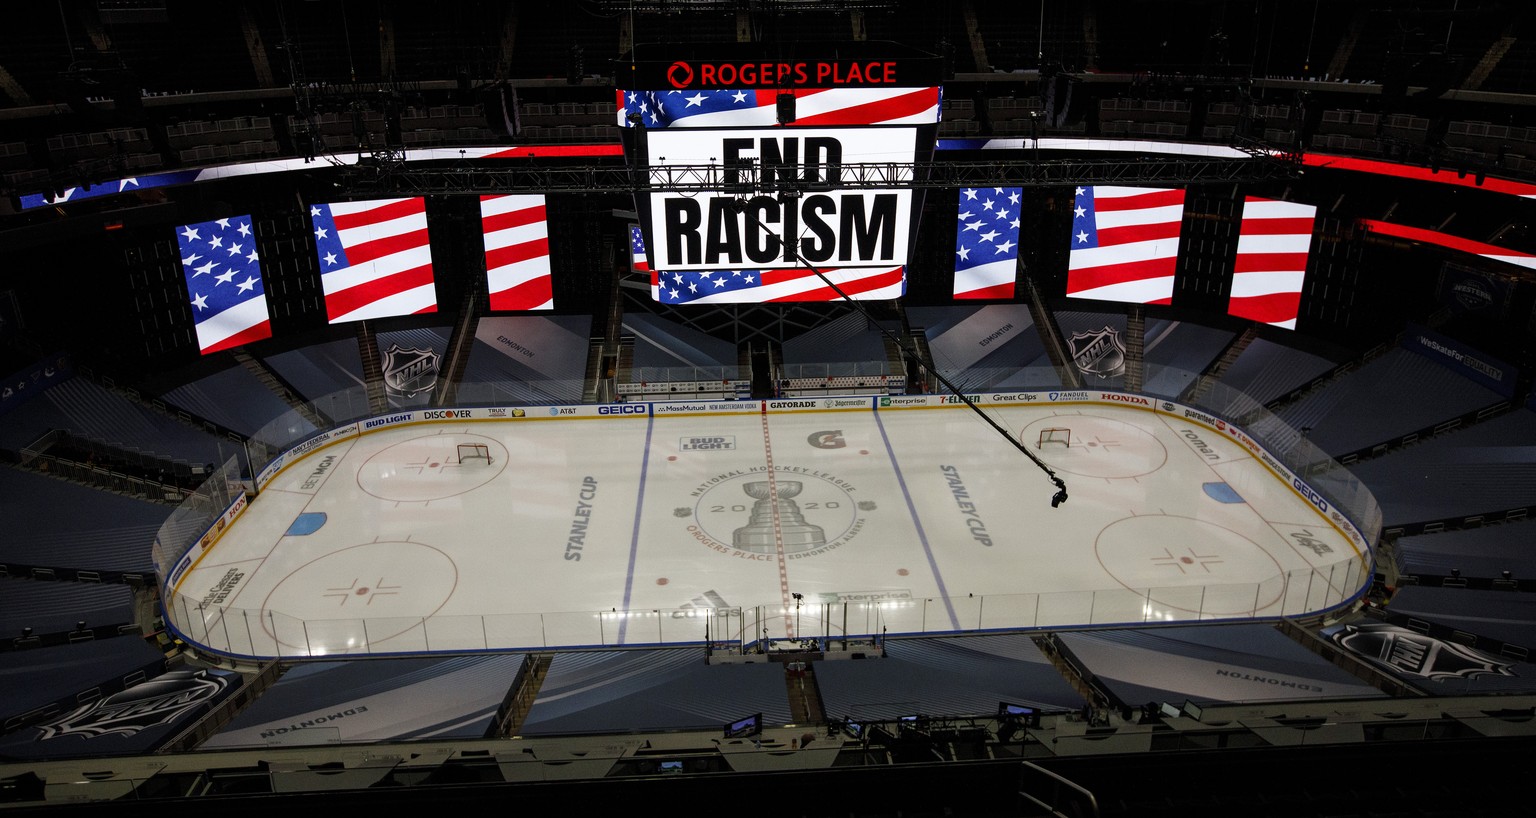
<point x="392" y="584"/>
<point x="427" y="468"/>
<point x="1100" y="447"/>
<point x="1168" y="554"/>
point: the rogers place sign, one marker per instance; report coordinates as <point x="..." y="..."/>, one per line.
<point x="683" y="74"/>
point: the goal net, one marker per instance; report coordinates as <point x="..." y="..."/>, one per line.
<point x="474" y="452"/>
<point x="1056" y="436"/>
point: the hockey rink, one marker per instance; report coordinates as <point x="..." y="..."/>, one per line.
<point x="738" y="521"/>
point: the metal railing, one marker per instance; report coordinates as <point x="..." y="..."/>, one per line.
<point x="245" y="633"/>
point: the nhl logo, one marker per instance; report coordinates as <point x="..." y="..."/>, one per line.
<point x="1099" y="353"/>
<point x="149" y="704"/>
<point x="1415" y="654"/>
<point x="409" y="372"/>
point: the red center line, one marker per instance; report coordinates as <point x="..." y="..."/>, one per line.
<point x="778" y="531"/>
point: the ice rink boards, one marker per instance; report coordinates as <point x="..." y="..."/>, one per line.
<point x="644" y="524"/>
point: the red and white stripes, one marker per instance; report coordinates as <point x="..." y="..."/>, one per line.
<point x="1272" y="249"/>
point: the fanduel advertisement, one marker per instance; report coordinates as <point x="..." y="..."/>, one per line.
<point x="826" y="225"/>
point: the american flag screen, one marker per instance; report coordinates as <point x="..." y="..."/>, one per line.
<point x="375" y="258"/>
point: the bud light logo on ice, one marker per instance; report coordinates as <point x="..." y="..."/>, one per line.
<point x="713" y="443"/>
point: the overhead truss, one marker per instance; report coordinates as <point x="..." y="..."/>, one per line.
<point x="503" y="176"/>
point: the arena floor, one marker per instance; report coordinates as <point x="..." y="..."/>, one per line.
<point x="650" y="530"/>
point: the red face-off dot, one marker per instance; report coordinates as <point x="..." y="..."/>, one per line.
<point x="1187" y="560"/>
<point x="360" y="591"/>
<point x="901" y="572"/>
<point x="661" y="580"/>
<point x="672" y="457"/>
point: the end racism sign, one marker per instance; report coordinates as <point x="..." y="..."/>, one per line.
<point x="826" y="224"/>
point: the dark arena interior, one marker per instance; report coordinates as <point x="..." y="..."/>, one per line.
<point x="236" y="234"/>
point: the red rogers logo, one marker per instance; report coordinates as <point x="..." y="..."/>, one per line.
<point x="680" y="74"/>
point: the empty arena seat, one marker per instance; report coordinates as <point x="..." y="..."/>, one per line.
<point x="1397" y="393"/>
<point x="1479" y="469"/>
<point x="60" y="524"/>
<point x="56" y="607"/>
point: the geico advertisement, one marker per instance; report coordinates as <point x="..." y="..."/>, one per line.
<point x="825" y="224"/>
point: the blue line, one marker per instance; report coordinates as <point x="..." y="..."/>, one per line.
<point x="634" y="536"/>
<point x="922" y="536"/>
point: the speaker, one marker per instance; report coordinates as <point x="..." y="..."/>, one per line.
<point x="786" y="108"/>
<point x="500" y="111"/>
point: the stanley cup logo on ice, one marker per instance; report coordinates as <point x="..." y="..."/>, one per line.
<point x="776" y="499"/>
